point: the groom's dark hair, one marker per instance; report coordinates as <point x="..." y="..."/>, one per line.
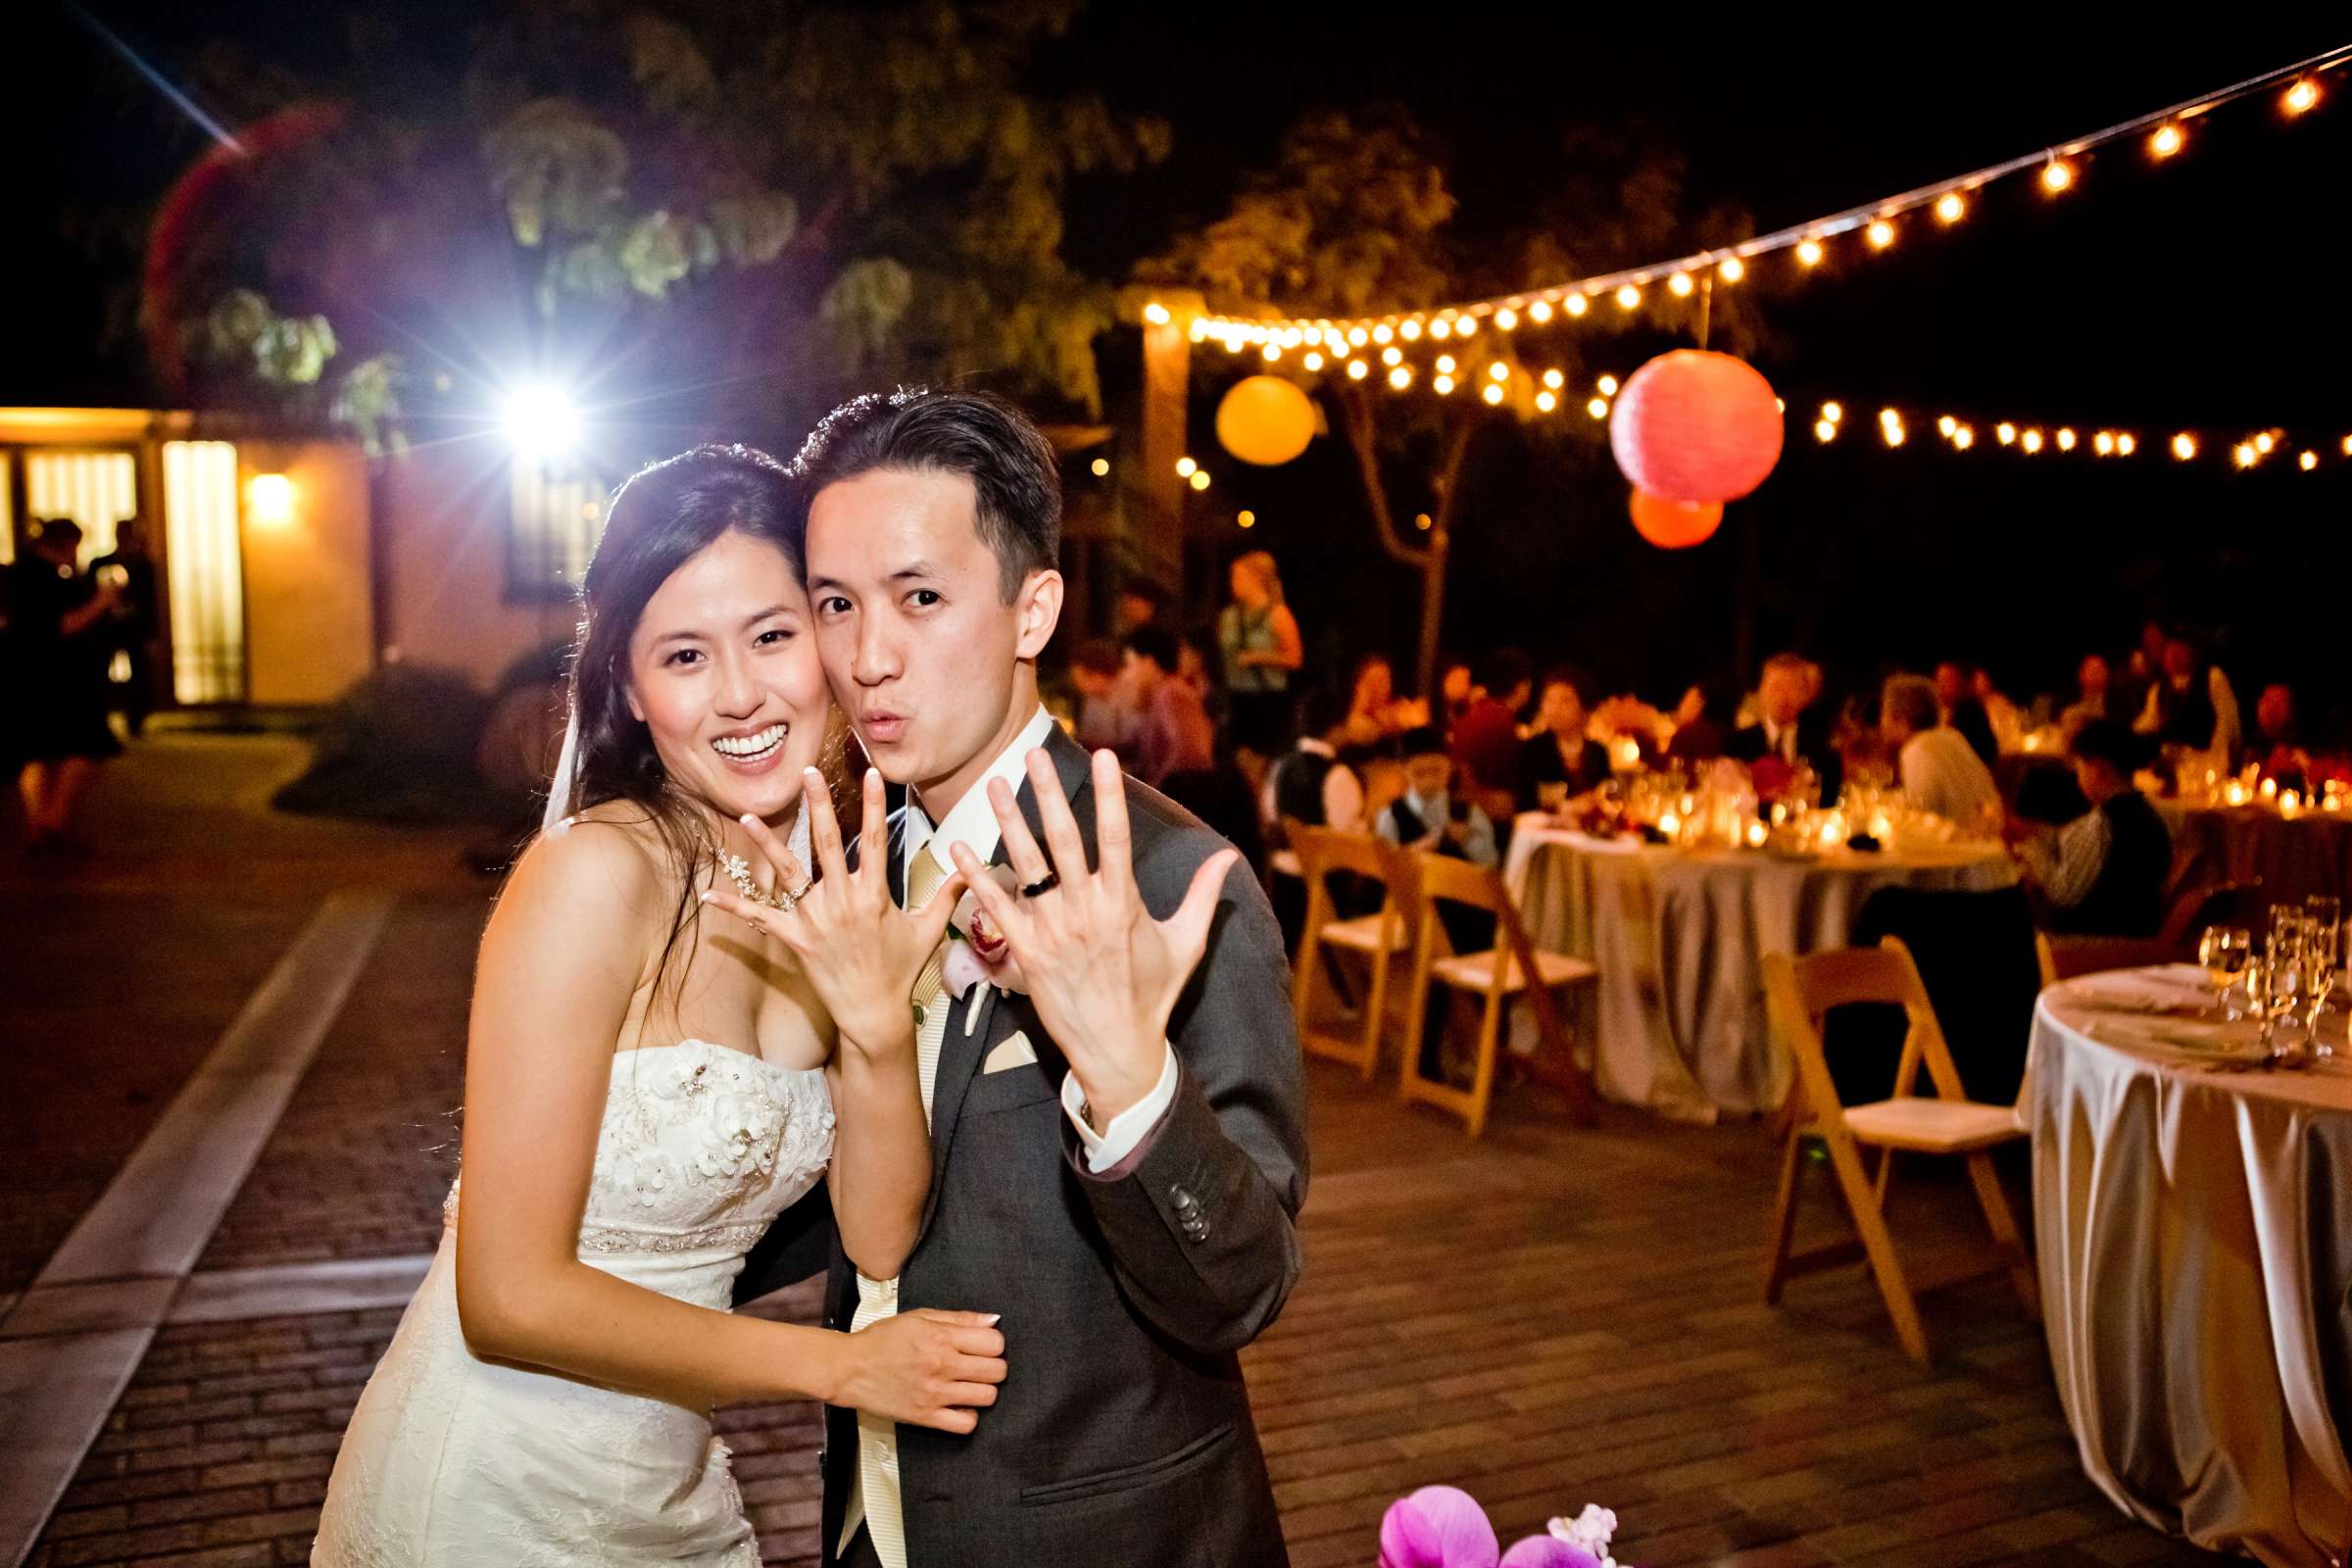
<point x="1017" y="481"/>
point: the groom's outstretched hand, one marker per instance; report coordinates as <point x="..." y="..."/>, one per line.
<point x="1103" y="973"/>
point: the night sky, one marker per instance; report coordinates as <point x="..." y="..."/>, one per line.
<point x="2206" y="293"/>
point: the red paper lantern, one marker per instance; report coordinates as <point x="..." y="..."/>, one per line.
<point x="1696" y="426"/>
<point x="1674" y="524"/>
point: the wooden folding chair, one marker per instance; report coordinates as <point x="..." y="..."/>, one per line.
<point x="1423" y="881"/>
<point x="1797" y="991"/>
<point x="1380" y="937"/>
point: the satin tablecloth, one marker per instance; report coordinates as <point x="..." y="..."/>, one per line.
<point x="2194" y="1239"/>
<point x="1676" y="1018"/>
<point x="2295" y="857"/>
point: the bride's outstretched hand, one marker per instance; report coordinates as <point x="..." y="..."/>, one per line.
<point x="1103" y="973"/>
<point x="860" y="952"/>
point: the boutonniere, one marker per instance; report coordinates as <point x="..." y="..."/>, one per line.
<point x="979" y="958"/>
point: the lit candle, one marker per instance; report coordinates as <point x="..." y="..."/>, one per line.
<point x="2270" y="789"/>
<point x="1755" y="835"/>
<point x="1670" y="824"/>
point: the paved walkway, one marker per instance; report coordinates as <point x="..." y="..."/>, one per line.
<point x="1549" y="1317"/>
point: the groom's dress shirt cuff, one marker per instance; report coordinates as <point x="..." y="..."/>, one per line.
<point x="1131" y="1131"/>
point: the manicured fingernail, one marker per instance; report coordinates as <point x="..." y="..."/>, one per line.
<point x="992" y="1319"/>
<point x="747" y="819"/>
<point x="705" y="898"/>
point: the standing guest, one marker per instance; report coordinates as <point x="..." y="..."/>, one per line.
<point x="1785" y="728"/>
<point x="2142" y="671"/>
<point x="131" y="629"/>
<point x="1311" y="784"/>
<point x="57" y="618"/>
<point x="1376" y="714"/>
<point x="1701" y="722"/>
<point x="2102" y="873"/>
<point x="1173" y="733"/>
<point x="2092" y="683"/>
<point x="1106" y="721"/>
<point x="1258" y="640"/>
<point x="1559" y="757"/>
<point x="2181" y="710"/>
<point x="1937" y="766"/>
<point x="1486" y="741"/>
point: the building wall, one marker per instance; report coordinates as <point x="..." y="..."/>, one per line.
<point x="444" y="553"/>
<point x="310" y="631"/>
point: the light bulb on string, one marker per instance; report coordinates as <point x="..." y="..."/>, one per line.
<point x="2348" y="446"/>
<point x="1099" y="466"/>
<point x="2245" y="455"/>
<point x="1313" y="361"/>
<point x="1599" y="408"/>
<point x="1554" y="379"/>
<point x="1607" y="385"/>
<point x="1577" y="303"/>
<point x="2184" y="446"/>
<point x="2166" y="141"/>
<point x="1825" y="430"/>
<point x="1357" y="369"/>
<point x="1272" y="352"/>
<point x="1894" y="435"/>
<point x="1186" y="468"/>
<point x="1506" y="318"/>
<point x="1680" y="285"/>
<point x="1808" y="253"/>
<point x="1628" y="297"/>
<point x="1732" y="269"/>
<point x="1833" y="411"/>
<point x="2103" y="444"/>
<point x="1964" y="438"/>
<point x="2308" y="462"/>
<point x="1392" y="355"/>
<point x="1400" y="377"/>
<point x="1441" y="329"/>
<point x="2126" y="444"/>
<point x="1464" y="326"/>
<point x="2056" y="175"/>
<point x="2301" y="97"/>
<point x="2264" y="442"/>
<point x="2030" y="441"/>
<point x="1540" y="311"/>
<point x="1546" y="401"/>
<point x="1951" y="206"/>
<point x="1382" y="332"/>
<point x="1494" y="393"/>
<point x="2004" y="432"/>
<point x="2066" y="440"/>
<point x="1881" y="234"/>
<point x="1199" y="479"/>
<point x="1446" y="365"/>
<point x="1357" y="337"/>
<point x="1410" y="328"/>
<point x="1247" y="518"/>
<point x="1156" y="314"/>
<point x="1442" y="383"/>
<point x="1945" y="425"/>
<point x="1499" y="372"/>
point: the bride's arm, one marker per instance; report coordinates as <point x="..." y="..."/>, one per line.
<point x="881" y="1171"/>
<point x="558" y="964"/>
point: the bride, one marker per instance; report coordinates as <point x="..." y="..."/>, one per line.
<point x="643" y="1097"/>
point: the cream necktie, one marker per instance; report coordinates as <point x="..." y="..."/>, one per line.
<point x="877" y="1498"/>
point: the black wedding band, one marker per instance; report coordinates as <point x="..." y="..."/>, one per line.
<point x="1043" y="885"/>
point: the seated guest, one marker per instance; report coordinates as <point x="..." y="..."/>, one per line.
<point x="1310" y="784"/>
<point x="1785" y="729"/>
<point x="1559" y="752"/>
<point x="1699" y="723"/>
<point x="1376" y="714"/>
<point x="2104" y="872"/>
<point x="1936" y="767"/>
<point x="2008" y="725"/>
<point x="1455" y="691"/>
<point x="1485" y="740"/>
<point x="1104" y="721"/>
<point x="2092" y="682"/>
<point x="1963" y="709"/>
<point x="1173" y="732"/>
<point x="2276" y="741"/>
<point x="1428" y="815"/>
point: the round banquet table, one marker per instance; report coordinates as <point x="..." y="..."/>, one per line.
<point x="2193" y="1227"/>
<point x="1676" y="1018"/>
<point x="2295" y="857"/>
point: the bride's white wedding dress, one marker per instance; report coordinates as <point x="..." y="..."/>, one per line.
<point x="452" y="1460"/>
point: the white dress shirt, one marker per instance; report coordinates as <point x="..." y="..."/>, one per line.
<point x="1343" y="791"/>
<point x="1942" y="774"/>
<point x="874" y="1499"/>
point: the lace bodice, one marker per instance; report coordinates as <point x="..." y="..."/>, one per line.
<point x="700" y="1147"/>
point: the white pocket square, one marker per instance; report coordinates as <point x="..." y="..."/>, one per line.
<point x="1014" y="1052"/>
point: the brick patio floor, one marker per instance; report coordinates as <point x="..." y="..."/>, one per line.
<point x="1549" y="1317"/>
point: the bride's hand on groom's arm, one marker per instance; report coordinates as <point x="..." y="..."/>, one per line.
<point x="1104" y="975"/>
<point x="859" y="950"/>
<point x="923" y="1367"/>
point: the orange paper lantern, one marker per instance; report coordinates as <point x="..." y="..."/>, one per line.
<point x="1696" y="426"/>
<point x="1265" y="421"/>
<point x="1674" y="524"/>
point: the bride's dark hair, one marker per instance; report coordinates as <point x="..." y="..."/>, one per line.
<point x="661" y="517"/>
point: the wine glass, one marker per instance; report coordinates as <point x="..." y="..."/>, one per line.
<point x="2224" y="951"/>
<point x="2279" y="975"/>
<point x="2323" y="960"/>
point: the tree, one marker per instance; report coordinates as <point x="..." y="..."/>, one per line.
<point x="738" y="208"/>
<point x="1356" y="219"/>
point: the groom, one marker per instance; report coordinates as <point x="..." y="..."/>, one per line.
<point x="1128" y="1205"/>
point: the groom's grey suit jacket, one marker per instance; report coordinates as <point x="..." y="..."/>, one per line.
<point x="1122" y="1436"/>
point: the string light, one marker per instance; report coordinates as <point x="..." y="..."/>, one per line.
<point x="2029" y="441"/>
<point x="1357" y="369"/>
<point x="2126" y="444"/>
<point x="1421" y="521"/>
<point x="1825" y="430"/>
<point x="1357" y="337"/>
<point x="2184" y="446"/>
<point x="2005" y="433"/>
<point x="1155" y="313"/>
<point x="2308" y="462"/>
<point x="1554" y="379"/>
<point x="1400" y="379"/>
<point x="1392" y="355"/>
<point x="2066" y="440"/>
<point x="1410" y="330"/>
<point x="1546" y="401"/>
<point x="2162" y="134"/>
<point x="2245" y="455"/>
<point x="1186" y="468"/>
<point x="1607" y="385"/>
<point x="1099" y="466"/>
<point x="1946" y="425"/>
<point x="1313" y="361"/>
<point x="2103" y="444"/>
<point x="1199" y="479"/>
<point x="1441" y="329"/>
<point x="1247" y="518"/>
<point x="1833" y="411"/>
<point x="1272" y="352"/>
<point x="1964" y="438"/>
<point x="1599" y="408"/>
<point x="1494" y="393"/>
<point x="1499" y="372"/>
<point x="2262" y="443"/>
<point x="1442" y="384"/>
<point x="2348" y="446"/>
<point x="1444" y="365"/>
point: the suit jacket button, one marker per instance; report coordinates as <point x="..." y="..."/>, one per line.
<point x="1185" y="1201"/>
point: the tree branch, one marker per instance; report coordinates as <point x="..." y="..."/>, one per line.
<point x="1363" y="438"/>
